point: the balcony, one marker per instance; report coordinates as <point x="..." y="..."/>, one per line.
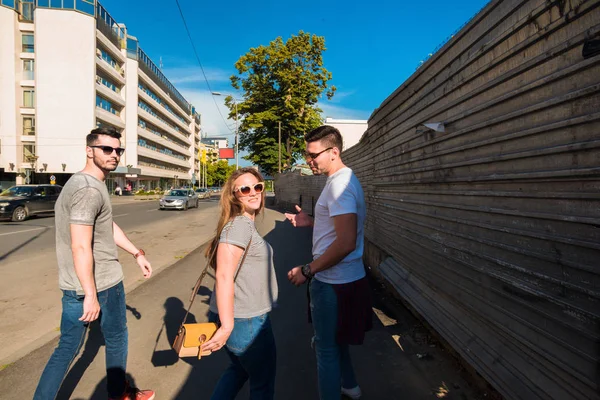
<point x="116" y="72"/>
<point x="160" y="172"/>
<point x="110" y="46"/>
<point x="165" y="114"/>
<point x="157" y="172"/>
<point x="28" y="139"/>
<point x="155" y="121"/>
<point x="110" y="94"/>
<point x="157" y="155"/>
<point x="150" y="135"/>
<point x="109" y="118"/>
<point x="145" y="79"/>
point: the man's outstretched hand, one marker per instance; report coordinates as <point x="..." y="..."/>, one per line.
<point x="301" y="219"/>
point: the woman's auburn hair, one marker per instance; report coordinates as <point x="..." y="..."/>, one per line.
<point x="231" y="207"/>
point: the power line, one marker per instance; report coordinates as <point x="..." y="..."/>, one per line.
<point x="200" y="63"/>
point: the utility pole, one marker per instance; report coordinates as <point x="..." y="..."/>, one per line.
<point x="237" y="136"/>
<point x="279" y="146"/>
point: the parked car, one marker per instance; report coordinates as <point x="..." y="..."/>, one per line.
<point x="22" y="201"/>
<point x="203" y="193"/>
<point x="179" y="199"/>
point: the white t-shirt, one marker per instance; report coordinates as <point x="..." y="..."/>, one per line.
<point x="342" y="194"/>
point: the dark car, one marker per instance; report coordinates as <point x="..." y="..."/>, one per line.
<point x="22" y="201"/>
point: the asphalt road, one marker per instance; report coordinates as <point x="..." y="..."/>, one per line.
<point x="29" y="294"/>
<point x="19" y="239"/>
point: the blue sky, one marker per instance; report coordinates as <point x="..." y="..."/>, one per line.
<point x="372" y="47"/>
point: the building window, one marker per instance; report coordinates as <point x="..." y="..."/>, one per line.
<point x="29" y="126"/>
<point x="108" y="84"/>
<point x="106" y="105"/>
<point x="27" y="39"/>
<point x="8" y="3"/>
<point x="29" y="152"/>
<point x="28" y="98"/>
<point x="27" y="8"/>
<point x="28" y="70"/>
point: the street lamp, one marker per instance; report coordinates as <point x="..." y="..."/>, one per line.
<point x="236" y="127"/>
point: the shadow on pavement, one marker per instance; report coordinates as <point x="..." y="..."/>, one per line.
<point x="174" y="314"/>
<point x="93" y="343"/>
<point x="100" y="391"/>
<point x="4" y="256"/>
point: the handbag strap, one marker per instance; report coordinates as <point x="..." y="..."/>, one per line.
<point x="203" y="274"/>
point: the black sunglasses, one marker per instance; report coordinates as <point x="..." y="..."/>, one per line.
<point x="313" y="156"/>
<point x="108" y="150"/>
<point x="245" y="190"/>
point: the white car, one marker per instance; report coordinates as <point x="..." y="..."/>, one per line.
<point x="203" y="193"/>
<point x="179" y="199"/>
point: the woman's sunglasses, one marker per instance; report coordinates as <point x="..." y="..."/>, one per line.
<point x="246" y="190"/>
<point x="108" y="150"/>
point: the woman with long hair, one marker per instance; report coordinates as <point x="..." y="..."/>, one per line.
<point x="245" y="290"/>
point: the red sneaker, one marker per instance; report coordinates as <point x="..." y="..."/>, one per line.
<point x="132" y="393"/>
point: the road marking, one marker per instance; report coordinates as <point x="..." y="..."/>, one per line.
<point x="26" y="230"/>
<point x="152" y="210"/>
<point x="120" y="215"/>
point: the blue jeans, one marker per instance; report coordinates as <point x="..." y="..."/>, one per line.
<point x="113" y="323"/>
<point x="251" y="349"/>
<point x="334" y="367"/>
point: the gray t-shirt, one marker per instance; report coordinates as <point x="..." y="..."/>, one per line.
<point x="255" y="288"/>
<point x="84" y="200"/>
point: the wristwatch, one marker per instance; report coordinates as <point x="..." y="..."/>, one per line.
<point x="307" y="272"/>
<point x="139" y="253"/>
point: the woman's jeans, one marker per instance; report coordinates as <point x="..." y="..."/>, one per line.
<point x="113" y="323"/>
<point x="251" y="348"/>
<point x="334" y="367"/>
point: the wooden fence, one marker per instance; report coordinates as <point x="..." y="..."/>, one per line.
<point x="490" y="229"/>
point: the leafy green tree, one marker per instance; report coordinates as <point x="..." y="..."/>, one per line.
<point x="281" y="82"/>
<point x="218" y="172"/>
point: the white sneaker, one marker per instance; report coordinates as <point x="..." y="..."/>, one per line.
<point x="353" y="393"/>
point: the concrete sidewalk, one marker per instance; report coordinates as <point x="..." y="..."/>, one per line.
<point x="387" y="366"/>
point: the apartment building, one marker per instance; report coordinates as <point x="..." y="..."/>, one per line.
<point x="66" y="67"/>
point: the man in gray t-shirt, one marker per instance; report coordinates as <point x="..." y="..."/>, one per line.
<point x="89" y="272"/>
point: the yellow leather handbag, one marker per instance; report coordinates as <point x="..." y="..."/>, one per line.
<point x="191" y="337"/>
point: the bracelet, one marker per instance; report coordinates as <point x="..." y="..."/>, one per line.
<point x="139" y="253"/>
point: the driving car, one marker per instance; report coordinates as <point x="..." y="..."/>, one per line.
<point x="178" y="199"/>
<point x="203" y="193"/>
<point x="22" y="201"/>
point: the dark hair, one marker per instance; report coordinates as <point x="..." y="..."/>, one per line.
<point x="92" y="137"/>
<point x="328" y="135"/>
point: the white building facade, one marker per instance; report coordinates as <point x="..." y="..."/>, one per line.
<point x="66" y="70"/>
<point x="351" y="129"/>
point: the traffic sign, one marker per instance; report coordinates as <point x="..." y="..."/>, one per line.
<point x="52" y="178"/>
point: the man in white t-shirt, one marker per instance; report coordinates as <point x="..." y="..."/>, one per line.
<point x="339" y="293"/>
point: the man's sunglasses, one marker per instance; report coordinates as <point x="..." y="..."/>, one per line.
<point x="246" y="190"/>
<point x="108" y="150"/>
<point x="313" y="156"/>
